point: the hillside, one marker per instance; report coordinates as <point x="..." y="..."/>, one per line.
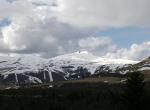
<point x="73" y="66"/>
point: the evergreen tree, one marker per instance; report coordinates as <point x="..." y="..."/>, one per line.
<point x="134" y="91"/>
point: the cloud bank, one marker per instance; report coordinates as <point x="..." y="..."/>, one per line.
<point x="136" y="51"/>
<point x="53" y="27"/>
<point x="104" y="13"/>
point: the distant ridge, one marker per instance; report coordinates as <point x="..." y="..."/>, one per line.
<point x="72" y="66"/>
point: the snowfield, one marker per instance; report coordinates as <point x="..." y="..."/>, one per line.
<point x="71" y="66"/>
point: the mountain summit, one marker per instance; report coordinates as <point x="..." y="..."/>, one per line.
<point x="89" y="57"/>
<point x="73" y="66"/>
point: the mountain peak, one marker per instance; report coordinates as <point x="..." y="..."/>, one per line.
<point x="82" y="52"/>
<point x="64" y="67"/>
<point x="91" y="58"/>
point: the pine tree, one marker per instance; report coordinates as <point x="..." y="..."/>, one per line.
<point x="134" y="91"/>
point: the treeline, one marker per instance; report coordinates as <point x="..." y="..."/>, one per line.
<point x="133" y="95"/>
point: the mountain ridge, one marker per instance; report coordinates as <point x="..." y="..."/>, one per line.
<point x="73" y="66"/>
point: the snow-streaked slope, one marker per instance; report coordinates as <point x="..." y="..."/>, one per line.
<point x="20" y="64"/>
<point x="12" y="67"/>
<point x="71" y="66"/>
<point x="85" y="56"/>
<point x="85" y="60"/>
<point x="23" y="64"/>
<point x="142" y="66"/>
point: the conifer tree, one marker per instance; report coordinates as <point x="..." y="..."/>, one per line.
<point x="134" y="91"/>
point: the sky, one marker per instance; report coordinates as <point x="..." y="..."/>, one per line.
<point x="47" y="28"/>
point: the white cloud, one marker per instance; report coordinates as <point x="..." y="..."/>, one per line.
<point x="104" y="13"/>
<point x="92" y="43"/>
<point x="50" y="27"/>
<point x="99" y="45"/>
<point x="135" y="52"/>
<point x="25" y="32"/>
<point x="37" y="31"/>
<point x="17" y="7"/>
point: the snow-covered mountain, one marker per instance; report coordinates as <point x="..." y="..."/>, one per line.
<point x="82" y="64"/>
<point x="143" y="66"/>
<point x="33" y="69"/>
<point x="16" y="69"/>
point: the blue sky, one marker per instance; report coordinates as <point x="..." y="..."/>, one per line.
<point x="125" y="37"/>
<point x="4" y="22"/>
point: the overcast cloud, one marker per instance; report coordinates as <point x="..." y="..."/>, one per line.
<point x="52" y="27"/>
